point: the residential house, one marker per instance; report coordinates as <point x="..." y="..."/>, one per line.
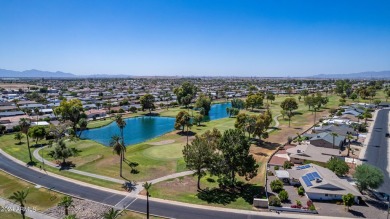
<point x="307" y="152"/>
<point x="326" y="140"/>
<point x="342" y="129"/>
<point x="319" y="183"/>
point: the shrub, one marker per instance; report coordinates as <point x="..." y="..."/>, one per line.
<point x="283" y="195"/>
<point x="289" y="139"/>
<point x="287" y="164"/>
<point x="338" y="166"/>
<point x="133" y="109"/>
<point x="299" y="203"/>
<point x="16" y="128"/>
<point x="309" y="203"/>
<point x="312" y="208"/>
<point x="301" y="191"/>
<point x="274" y="201"/>
<point x="368" y="177"/>
<point x="276" y="167"/>
<point x="294" y="206"/>
<point x="276" y="186"/>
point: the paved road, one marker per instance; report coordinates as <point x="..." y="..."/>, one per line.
<point x="158" y="208"/>
<point x="377" y="152"/>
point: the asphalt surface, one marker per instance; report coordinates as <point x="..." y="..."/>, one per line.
<point x="378" y="153"/>
<point x="157" y="208"/>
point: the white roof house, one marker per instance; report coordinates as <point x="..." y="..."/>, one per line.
<point x="321" y="183"/>
<point x="40" y="123"/>
<point x="309" y="152"/>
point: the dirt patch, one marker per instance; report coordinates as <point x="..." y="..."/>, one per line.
<point x="16" y="85"/>
<point x="162" y="142"/>
<point x="178" y="185"/>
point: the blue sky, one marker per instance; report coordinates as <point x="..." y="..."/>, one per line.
<point x="195" y="38"/>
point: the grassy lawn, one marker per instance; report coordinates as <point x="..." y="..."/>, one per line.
<point x="98" y="123"/>
<point x="163" y="155"/>
<point x="10" y="146"/>
<point x="10" y="215"/>
<point x="41" y="198"/>
<point x="134" y="215"/>
<point x="183" y="189"/>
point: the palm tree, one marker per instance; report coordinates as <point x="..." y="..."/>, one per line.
<point x="349" y="138"/>
<point x="25" y="126"/>
<point x="16" y="102"/>
<point x="20" y="196"/>
<point x="366" y="115"/>
<point x="36" y="111"/>
<point x="299" y="139"/>
<point x="112" y="214"/>
<point x="360" y="117"/>
<point x="83" y="123"/>
<point x="118" y="148"/>
<point x="334" y="135"/>
<point x="121" y="123"/>
<point x="187" y="118"/>
<point x="66" y="202"/>
<point x="147" y="187"/>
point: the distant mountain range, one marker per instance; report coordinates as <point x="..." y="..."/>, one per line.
<point x="360" y="75"/>
<point x="33" y="73"/>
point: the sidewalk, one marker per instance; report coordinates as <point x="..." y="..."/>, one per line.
<point x="137" y="187"/>
<point x="9" y="206"/>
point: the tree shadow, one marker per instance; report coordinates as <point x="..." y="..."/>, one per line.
<point x="267" y="145"/>
<point x="31" y="163"/>
<point x="186" y="133"/>
<point x="217" y="196"/>
<point x="297" y="113"/>
<point x="356" y="213"/>
<point x="377" y="204"/>
<point x="250" y="191"/>
<point x="67" y="165"/>
<point x="36" y="146"/>
<point x="151" y="114"/>
<point x="132" y="165"/>
<point x="228" y="195"/>
<point x="129" y="186"/>
<point x="20" y="143"/>
<point x="261" y="154"/>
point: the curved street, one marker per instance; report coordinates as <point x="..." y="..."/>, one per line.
<point x="166" y="209"/>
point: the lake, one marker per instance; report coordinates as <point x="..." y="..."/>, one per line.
<point x="140" y="129"/>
